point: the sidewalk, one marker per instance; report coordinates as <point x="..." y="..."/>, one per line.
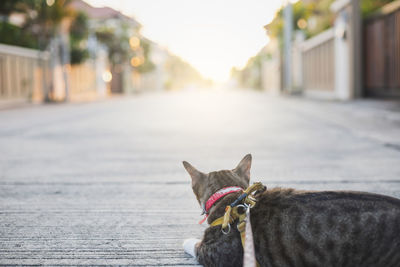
<point x="102" y="183"/>
<point x="15" y="104"/>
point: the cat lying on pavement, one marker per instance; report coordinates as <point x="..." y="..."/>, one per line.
<point x="298" y="228"/>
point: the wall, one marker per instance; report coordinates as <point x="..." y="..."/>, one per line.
<point x="24" y="74"/>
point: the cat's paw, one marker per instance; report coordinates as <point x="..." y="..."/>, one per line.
<point x="189" y="246"/>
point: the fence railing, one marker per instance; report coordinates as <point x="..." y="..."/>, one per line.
<point x="319" y="63"/>
<point x="82" y="81"/>
<point x="23" y="73"/>
<point x="382" y="52"/>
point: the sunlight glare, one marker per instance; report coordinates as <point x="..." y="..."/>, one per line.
<point x="213" y="36"/>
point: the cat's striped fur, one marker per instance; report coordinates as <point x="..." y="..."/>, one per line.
<point x="301" y="228"/>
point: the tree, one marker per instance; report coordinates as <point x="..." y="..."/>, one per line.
<point x="118" y="45"/>
<point x="49" y="21"/>
<point x="7" y="7"/>
<point x="12" y="34"/>
<point x="311" y="17"/>
<point x="314" y="17"/>
<point x="120" y="51"/>
<point x="45" y="20"/>
<point x="78" y="34"/>
<point x="370" y="6"/>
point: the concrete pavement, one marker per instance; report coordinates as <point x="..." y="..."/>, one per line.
<point x="102" y="183"/>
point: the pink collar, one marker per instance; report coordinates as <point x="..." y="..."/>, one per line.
<point x="216" y="196"/>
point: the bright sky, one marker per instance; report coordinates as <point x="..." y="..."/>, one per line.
<point x="212" y="35"/>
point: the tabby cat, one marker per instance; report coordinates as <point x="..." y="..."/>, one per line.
<point x="299" y="228"/>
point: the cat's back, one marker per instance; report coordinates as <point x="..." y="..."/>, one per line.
<point x="323" y="202"/>
<point x="331" y="228"/>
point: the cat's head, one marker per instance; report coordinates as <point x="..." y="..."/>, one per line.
<point x="206" y="184"/>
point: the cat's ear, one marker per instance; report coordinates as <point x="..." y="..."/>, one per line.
<point x="194" y="173"/>
<point x="243" y="168"/>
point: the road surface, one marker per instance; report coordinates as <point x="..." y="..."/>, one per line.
<point x="102" y="183"/>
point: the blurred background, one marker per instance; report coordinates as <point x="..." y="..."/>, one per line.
<point x="70" y="50"/>
<point x="101" y="101"/>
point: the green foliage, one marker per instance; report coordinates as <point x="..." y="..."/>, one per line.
<point x="118" y="45"/>
<point x="79" y="28"/>
<point x="78" y="55"/>
<point x="46" y="20"/>
<point x="311" y="17"/>
<point x="13" y="35"/>
<point x="318" y="13"/>
<point x="275" y="27"/>
<point x="78" y="36"/>
<point x="42" y="24"/>
<point x="119" y="50"/>
<point x="7" y="7"/>
<point x="147" y="65"/>
<point x="370" y="6"/>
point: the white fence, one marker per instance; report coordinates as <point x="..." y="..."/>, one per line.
<point x="319" y="64"/>
<point x="331" y="60"/>
<point x="23" y="73"/>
